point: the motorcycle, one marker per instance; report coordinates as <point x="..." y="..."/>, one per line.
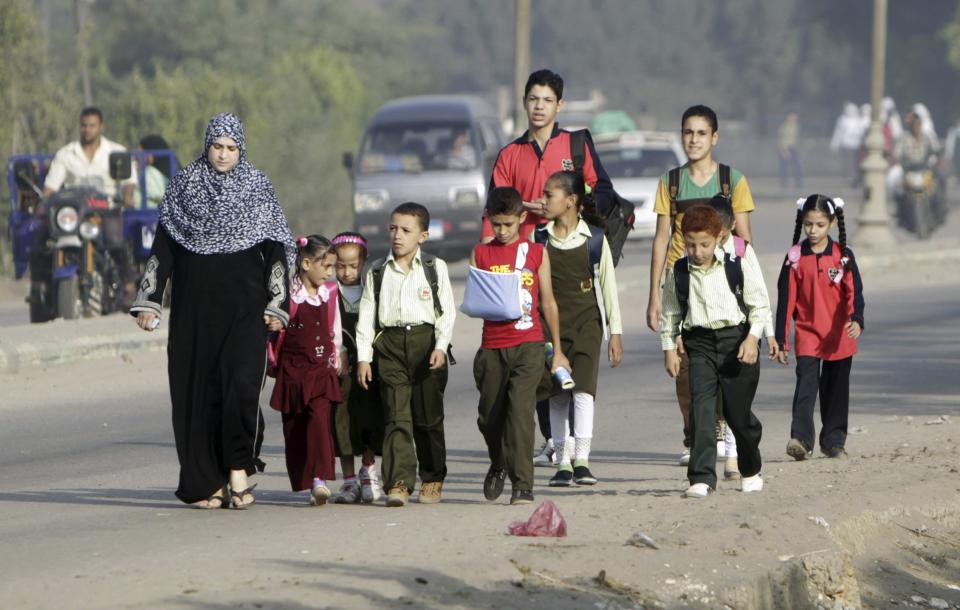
<point x="916" y="207"/>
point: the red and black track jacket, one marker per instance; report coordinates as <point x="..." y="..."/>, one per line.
<point x="522" y="165"/>
<point x="819" y="306"/>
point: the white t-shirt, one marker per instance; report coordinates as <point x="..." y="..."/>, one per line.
<point x="70" y="167"/>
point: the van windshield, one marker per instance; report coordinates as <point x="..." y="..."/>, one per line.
<point x="417" y="147"/>
<point x="638" y="162"/>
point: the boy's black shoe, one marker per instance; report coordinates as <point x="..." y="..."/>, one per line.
<point x="834" y="452"/>
<point x="563" y="478"/>
<point x="521" y="496"/>
<point x="493" y="483"/>
<point x="583" y="476"/>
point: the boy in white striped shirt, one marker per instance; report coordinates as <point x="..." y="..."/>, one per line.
<point x="719" y="305"/>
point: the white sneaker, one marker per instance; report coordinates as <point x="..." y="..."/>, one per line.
<point x="754" y="483"/>
<point x="371" y="489"/>
<point x="544" y="455"/>
<point x="319" y="495"/>
<point x="697" y="490"/>
<point x="685" y="457"/>
<point x="349" y="493"/>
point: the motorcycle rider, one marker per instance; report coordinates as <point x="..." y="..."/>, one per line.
<point x="918" y="151"/>
<point x="85" y="162"/>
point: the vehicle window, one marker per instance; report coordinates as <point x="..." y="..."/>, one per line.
<point x="492" y="142"/>
<point x="638" y="162"/>
<point x="418" y="147"/>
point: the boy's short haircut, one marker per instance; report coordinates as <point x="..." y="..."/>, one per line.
<point x="504" y="201"/>
<point x="701" y="219"/>
<point x="701" y="111"/>
<point x="724" y="208"/>
<point x="545" y="78"/>
<point x="411" y="208"/>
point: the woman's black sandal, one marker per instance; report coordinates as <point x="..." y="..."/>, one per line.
<point x="236" y="498"/>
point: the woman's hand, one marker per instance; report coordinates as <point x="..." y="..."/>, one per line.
<point x="148" y="321"/>
<point x="615" y="351"/>
<point x="783" y="357"/>
<point x="273" y="323"/>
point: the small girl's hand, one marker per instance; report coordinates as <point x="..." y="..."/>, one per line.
<point x="273" y="323"/>
<point x="853" y="329"/>
<point x="615" y="351"/>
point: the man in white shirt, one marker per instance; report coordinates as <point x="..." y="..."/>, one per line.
<point x="86" y="162"/>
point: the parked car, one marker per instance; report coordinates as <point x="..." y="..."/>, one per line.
<point x="436" y="150"/>
<point x="635" y="161"/>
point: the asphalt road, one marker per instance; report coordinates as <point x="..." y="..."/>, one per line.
<point x="88" y="518"/>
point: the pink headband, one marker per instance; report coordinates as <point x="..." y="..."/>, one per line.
<point x="339" y="240"/>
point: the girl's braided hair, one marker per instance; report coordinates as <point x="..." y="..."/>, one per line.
<point x="572" y="183"/>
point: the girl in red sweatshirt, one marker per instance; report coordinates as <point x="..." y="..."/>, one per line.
<point x="821" y="292"/>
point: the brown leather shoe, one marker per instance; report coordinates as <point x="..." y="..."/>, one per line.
<point x="430" y="492"/>
<point x="398" y="495"/>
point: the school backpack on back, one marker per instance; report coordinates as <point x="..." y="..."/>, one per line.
<point x="732" y="268"/>
<point x="619" y="218"/>
<point x="678" y="206"/>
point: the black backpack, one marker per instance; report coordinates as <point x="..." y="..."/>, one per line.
<point x="681" y="206"/>
<point x="619" y="217"/>
<point x="430" y="270"/>
<point x="733" y="269"/>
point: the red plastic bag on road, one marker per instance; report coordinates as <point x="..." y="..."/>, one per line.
<point x="545" y="521"/>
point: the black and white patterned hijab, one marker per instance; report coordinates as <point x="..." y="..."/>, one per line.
<point x="208" y="212"/>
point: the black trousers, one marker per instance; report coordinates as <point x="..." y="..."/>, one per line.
<point x="831" y="379"/>
<point x="715" y="370"/>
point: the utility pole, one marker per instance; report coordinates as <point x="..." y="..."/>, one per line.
<point x="80" y="8"/>
<point x="521" y="62"/>
<point x="874" y="230"/>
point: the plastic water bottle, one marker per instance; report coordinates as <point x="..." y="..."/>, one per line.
<point x="562" y="374"/>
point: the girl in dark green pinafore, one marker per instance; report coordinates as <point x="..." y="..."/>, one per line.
<point x="586" y="294"/>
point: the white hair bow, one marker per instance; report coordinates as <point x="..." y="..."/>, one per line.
<point x="800" y="203"/>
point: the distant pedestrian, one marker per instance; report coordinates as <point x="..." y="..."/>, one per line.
<point x="358" y="420"/>
<point x="309" y="358"/>
<point x="788" y="141"/>
<point x="821" y="292"/>
<point x="717" y="304"/>
<point x="224" y="238"/>
<point x="847" y="140"/>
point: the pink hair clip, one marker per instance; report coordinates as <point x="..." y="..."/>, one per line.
<point x="302" y="241"/>
<point x="349" y="239"/>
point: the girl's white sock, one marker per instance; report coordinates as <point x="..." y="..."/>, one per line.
<point x="729" y="443"/>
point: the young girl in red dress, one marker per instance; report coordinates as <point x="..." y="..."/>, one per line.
<point x="308" y="360"/>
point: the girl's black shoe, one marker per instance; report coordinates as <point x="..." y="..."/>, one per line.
<point x="563" y="478"/>
<point x="583" y="476"/>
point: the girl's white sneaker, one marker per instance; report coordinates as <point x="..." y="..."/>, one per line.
<point x="697" y="490"/>
<point x="754" y="483"/>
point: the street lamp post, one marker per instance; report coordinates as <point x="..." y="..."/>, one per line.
<point x="874" y="230"/>
<point x="521" y="62"/>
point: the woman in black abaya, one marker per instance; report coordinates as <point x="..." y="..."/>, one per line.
<point x="224" y="240"/>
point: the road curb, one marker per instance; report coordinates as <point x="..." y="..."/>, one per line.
<point x="15" y="356"/>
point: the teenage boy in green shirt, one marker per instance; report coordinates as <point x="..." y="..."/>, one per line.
<point x="699" y="181"/>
